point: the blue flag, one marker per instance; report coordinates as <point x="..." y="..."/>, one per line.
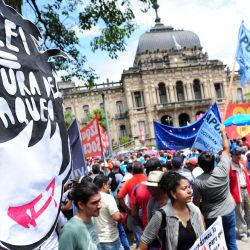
<point x="209" y="136"/>
<point x="243" y="54"/>
<point x="177" y="138"/>
<point x="78" y="163"/>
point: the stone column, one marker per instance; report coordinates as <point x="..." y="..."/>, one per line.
<point x="172" y="94"/>
<point x="189" y="92"/>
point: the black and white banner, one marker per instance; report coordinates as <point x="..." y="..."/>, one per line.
<point x="34" y="148"/>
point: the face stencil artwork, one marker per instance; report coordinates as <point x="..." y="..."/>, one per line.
<point x="34" y="150"/>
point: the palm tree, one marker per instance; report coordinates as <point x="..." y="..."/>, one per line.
<point x="101" y="116"/>
<point x="68" y="118"/>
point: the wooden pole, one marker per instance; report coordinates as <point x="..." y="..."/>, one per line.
<point x="229" y="90"/>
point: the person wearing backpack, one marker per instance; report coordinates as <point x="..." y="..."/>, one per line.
<point x="182" y="220"/>
<point x="116" y="177"/>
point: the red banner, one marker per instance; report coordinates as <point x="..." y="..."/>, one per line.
<point x="91" y="139"/>
<point x="235" y="132"/>
<point x="104" y="138"/>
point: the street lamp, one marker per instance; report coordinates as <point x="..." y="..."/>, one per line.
<point x="107" y="123"/>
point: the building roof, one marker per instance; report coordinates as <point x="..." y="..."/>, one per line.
<point x="162" y="37"/>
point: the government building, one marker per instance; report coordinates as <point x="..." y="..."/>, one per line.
<point x="171" y="81"/>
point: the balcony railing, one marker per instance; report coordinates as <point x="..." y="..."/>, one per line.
<point x="188" y="103"/>
<point x="121" y="115"/>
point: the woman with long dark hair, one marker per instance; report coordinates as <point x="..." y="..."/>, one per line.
<point x="183" y="220"/>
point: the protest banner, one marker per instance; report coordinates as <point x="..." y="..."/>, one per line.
<point x="77" y="156"/>
<point x="104" y="138"/>
<point x="213" y="238"/>
<point x="238" y="131"/>
<point x="91" y="139"/>
<point x="177" y="138"/>
<point x="209" y="137"/>
<point x="35" y="153"/>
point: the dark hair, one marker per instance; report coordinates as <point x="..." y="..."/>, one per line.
<point x="83" y="191"/>
<point x="153" y="164"/>
<point x="100" y="180"/>
<point x="96" y="169"/>
<point x="206" y="161"/>
<point x="169" y="183"/>
<point x="130" y="167"/>
<point x="85" y="178"/>
<point x="137" y="167"/>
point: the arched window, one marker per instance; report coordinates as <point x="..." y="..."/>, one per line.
<point x="167" y="120"/>
<point x="68" y="109"/>
<point x="162" y="93"/>
<point x="85" y="109"/>
<point x="101" y="105"/>
<point x="180" y="91"/>
<point x="239" y="95"/>
<point x="119" y="107"/>
<point x="197" y="89"/>
<point x="184" y="119"/>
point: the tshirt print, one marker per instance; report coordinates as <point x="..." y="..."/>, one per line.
<point x="34" y="149"/>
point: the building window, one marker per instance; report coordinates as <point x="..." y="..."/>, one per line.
<point x="218" y="91"/>
<point x="180" y="91"/>
<point x="184" y="119"/>
<point x="138" y="99"/>
<point x="167" y="120"/>
<point x="239" y="95"/>
<point x="69" y="109"/>
<point x="101" y="105"/>
<point x="197" y="89"/>
<point x="162" y="93"/>
<point x="142" y="126"/>
<point x="123" y="131"/>
<point x="85" y="109"/>
<point x="119" y="107"/>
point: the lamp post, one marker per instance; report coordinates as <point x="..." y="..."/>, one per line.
<point x="107" y="123"/>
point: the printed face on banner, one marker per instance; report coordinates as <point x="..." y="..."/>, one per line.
<point x="34" y="149"/>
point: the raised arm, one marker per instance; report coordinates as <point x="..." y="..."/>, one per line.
<point x="225" y="143"/>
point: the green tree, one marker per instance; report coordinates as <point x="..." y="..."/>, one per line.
<point x="101" y="116"/>
<point x="58" y="20"/>
<point x="68" y="118"/>
<point x="124" y="140"/>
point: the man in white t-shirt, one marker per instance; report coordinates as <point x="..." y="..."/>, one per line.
<point x="106" y="222"/>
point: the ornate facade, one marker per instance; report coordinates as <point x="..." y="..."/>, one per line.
<point x="171" y="81"/>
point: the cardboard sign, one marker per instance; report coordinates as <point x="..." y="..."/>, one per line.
<point x="91" y="139"/>
<point x="34" y="148"/>
<point x="212" y="239"/>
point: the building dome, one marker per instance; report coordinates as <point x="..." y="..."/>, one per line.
<point x="162" y="37"/>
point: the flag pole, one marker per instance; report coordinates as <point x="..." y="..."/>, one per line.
<point x="229" y="96"/>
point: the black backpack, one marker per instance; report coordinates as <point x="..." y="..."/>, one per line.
<point x="114" y="183"/>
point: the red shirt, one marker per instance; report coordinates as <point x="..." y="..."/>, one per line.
<point x="141" y="196"/>
<point x="130" y="184"/>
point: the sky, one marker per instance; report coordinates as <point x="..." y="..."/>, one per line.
<point x="216" y="22"/>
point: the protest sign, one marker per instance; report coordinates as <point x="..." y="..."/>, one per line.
<point x="91" y="139"/>
<point x="213" y="238"/>
<point x="104" y="138"/>
<point x="208" y="137"/>
<point x="35" y="155"/>
<point x="78" y="163"/>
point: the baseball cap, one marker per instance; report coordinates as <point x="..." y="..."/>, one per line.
<point x="177" y="161"/>
<point x="192" y="161"/>
<point x="154" y="178"/>
<point x="236" y="150"/>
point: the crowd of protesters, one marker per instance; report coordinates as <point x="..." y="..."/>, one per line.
<point x="165" y="201"/>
